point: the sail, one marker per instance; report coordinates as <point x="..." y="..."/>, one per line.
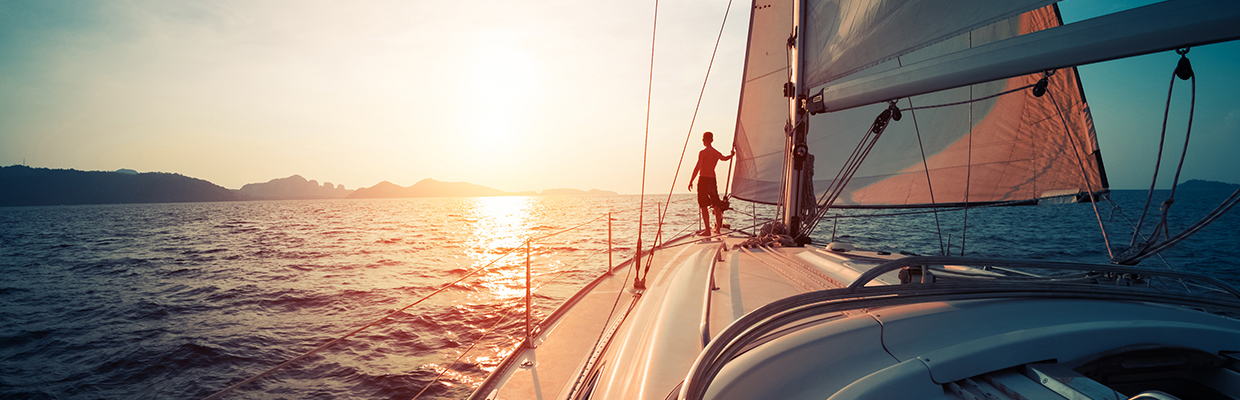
<point x="1010" y="148"/>
<point x="763" y="112"/>
<point x="846" y="36"/>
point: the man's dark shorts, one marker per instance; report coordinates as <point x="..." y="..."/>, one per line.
<point x="708" y="192"/>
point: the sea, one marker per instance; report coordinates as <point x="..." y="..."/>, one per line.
<point x="185" y="300"/>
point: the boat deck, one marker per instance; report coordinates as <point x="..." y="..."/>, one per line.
<point x="733" y="281"/>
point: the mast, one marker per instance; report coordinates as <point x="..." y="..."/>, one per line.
<point x="796" y="152"/>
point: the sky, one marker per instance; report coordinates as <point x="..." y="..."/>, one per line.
<point x="515" y="95"/>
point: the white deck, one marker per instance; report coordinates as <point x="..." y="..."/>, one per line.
<point x="746" y="279"/>
<point x="652" y="339"/>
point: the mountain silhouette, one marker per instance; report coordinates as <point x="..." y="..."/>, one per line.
<point x="292" y="188"/>
<point x="1197" y="184"/>
<point x="24" y="186"/>
<point x="577" y="192"/>
<point x="426" y="188"/>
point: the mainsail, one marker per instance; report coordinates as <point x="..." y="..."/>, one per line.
<point x="1009" y="148"/>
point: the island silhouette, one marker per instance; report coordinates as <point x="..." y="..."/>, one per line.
<point x="22" y="185"/>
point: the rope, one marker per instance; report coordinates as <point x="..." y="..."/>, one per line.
<point x="1135" y="251"/>
<point x="851" y="165"/>
<point x="968" y="101"/>
<point x="639" y="281"/>
<point x="1136" y="254"/>
<point x="1222" y="208"/>
<point x="696" y="108"/>
<point x="663" y="213"/>
<point x="1192" y="105"/>
<point x="334" y="341"/>
<point x="1157" y="162"/>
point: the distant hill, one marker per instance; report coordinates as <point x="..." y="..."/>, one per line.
<point x="24" y="186"/>
<point x="433" y="188"/>
<point x="292" y="188"/>
<point x="577" y="192"/>
<point x="425" y="188"/>
<point x="1197" y="184"/>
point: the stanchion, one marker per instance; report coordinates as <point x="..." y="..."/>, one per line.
<point x="609" y="264"/>
<point x="529" y="341"/>
<point x="658" y="237"/>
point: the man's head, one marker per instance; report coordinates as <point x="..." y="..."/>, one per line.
<point x="708" y="137"/>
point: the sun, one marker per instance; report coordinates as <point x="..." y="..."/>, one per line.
<point x="505" y="82"/>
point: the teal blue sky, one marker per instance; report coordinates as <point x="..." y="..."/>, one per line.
<point x="516" y="95"/>
<point x="1127" y="99"/>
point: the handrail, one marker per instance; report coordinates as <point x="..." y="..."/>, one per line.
<point x="893" y="265"/>
<point x="776" y="315"/>
<point x="710" y="288"/>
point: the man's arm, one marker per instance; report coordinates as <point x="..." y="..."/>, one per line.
<point x="693" y="177"/>
<point x="729" y="156"/>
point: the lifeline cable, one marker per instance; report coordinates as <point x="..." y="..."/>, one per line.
<point x="334" y="341"/>
<point x="458" y="359"/>
<point x="507" y="312"/>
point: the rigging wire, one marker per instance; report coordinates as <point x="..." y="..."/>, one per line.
<point x="968" y="174"/>
<point x="693" y="120"/>
<point x="926" y="166"/>
<point x="1115" y="207"/>
<point x="852" y="164"/>
<point x="639" y="281"/>
<point x="1076" y="151"/>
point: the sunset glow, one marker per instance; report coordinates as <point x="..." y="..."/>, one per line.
<point x="517" y="96"/>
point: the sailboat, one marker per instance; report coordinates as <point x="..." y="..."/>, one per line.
<point x="902" y="104"/>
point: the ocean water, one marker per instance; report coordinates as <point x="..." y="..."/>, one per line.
<point x="184" y="300"/>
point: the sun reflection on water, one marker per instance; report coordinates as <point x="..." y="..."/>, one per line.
<point x="501" y="224"/>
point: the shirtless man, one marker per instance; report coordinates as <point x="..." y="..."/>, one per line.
<point x="708" y="190"/>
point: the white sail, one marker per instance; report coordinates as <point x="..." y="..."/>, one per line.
<point x="763" y="108"/>
<point x="846" y="36"/>
<point x="1158" y="27"/>
<point x="1010" y="148"/>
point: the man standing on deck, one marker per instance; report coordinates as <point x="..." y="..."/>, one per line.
<point x="708" y="190"/>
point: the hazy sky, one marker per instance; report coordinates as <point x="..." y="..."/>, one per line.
<point x="515" y="95"/>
